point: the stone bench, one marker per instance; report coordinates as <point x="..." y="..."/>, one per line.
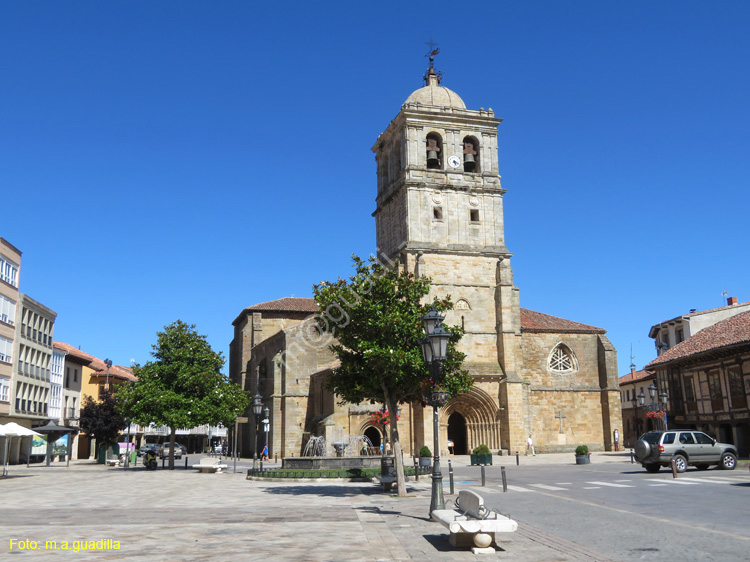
<point x="209" y="465"/>
<point x="471" y="523"/>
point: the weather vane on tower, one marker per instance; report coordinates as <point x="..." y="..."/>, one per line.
<point x="434" y="50"/>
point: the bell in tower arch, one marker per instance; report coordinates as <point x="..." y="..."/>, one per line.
<point x="469" y="156"/>
<point x="433" y="150"/>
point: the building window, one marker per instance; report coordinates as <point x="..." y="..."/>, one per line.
<point x="6" y="350"/>
<point x="680" y="335"/>
<point x="8" y="271"/>
<point x="561" y="360"/>
<point x="7" y="310"/>
<point x="75" y="375"/>
<point x="474" y="215"/>
<point x="690" y="403"/>
<point x="437" y="213"/>
<point x="4" y="389"/>
<point x="714" y="388"/>
<point x="736" y="389"/>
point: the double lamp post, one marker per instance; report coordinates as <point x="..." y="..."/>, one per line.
<point x="640" y="400"/>
<point x="435" y="352"/>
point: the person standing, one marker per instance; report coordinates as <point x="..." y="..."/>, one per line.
<point x="530" y="447"/>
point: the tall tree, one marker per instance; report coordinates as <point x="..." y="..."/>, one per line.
<point x="182" y="386"/>
<point x="376" y="318"/>
<point x="101" y="419"/>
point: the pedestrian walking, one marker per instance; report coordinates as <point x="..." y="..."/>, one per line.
<point x="264" y="453"/>
<point x="530" y="447"/>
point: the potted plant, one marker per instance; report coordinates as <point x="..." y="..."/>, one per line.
<point x="582" y="455"/>
<point x="481" y="455"/>
<point x="425" y="456"/>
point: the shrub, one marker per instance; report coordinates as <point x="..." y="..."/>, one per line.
<point x="582" y="450"/>
<point x="482" y="450"/>
<point x="425" y="452"/>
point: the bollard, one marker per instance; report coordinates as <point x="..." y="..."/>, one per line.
<point x="261" y="465"/>
<point x="276" y="458"/>
<point x="674" y="468"/>
<point x="518" y="459"/>
<point x="482" y="475"/>
<point x="186" y="459"/>
<point x="631" y="457"/>
<point x="416" y="470"/>
<point x="505" y="480"/>
<point x="162" y="462"/>
<point x="450" y="475"/>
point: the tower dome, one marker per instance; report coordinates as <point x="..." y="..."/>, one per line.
<point x="435" y="94"/>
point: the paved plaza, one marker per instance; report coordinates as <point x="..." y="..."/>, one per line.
<point x="185" y="515"/>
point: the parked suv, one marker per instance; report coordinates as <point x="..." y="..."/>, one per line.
<point x="657" y="448"/>
<point x="164" y="451"/>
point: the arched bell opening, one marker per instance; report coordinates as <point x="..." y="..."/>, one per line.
<point x="434" y="154"/>
<point x="457" y="434"/>
<point x="471" y="154"/>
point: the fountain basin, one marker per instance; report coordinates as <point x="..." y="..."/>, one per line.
<point x="322" y="463"/>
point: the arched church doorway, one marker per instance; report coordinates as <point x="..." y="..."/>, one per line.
<point x="457" y="433"/>
<point x="373" y="435"/>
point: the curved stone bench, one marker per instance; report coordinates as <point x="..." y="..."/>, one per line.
<point x="471" y="523"/>
<point x="209" y="465"/>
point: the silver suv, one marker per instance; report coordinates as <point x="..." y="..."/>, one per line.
<point x="687" y="447"/>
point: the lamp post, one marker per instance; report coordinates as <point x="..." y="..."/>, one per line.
<point x="654" y="406"/>
<point x="257" y="411"/>
<point x="266" y="424"/>
<point x="435" y="350"/>
<point x="636" y="421"/>
<point x="108" y="363"/>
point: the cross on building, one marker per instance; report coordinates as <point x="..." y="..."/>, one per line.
<point x="561" y="417"/>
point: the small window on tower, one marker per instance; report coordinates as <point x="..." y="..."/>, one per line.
<point x="437" y="213"/>
<point x="474" y="215"/>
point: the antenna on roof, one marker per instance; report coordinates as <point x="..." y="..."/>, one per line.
<point x="632" y="357"/>
<point x="724" y="298"/>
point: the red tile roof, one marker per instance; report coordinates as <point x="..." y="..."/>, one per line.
<point x="100" y="368"/>
<point x="532" y="321"/>
<point x="727" y="333"/>
<point x="635" y="376"/>
<point x="287" y="304"/>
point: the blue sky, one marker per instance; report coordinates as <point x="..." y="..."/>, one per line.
<point x="184" y="159"/>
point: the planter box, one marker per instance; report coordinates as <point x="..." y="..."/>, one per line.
<point x="425" y="461"/>
<point x="481" y="459"/>
<point x="583" y="459"/>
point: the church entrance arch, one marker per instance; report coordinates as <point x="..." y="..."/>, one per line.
<point x="373" y="435"/>
<point x="480" y="415"/>
<point x="457" y="433"/>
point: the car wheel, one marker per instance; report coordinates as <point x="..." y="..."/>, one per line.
<point x="653" y="467"/>
<point x="701" y="466"/>
<point x="680" y="463"/>
<point x="728" y="461"/>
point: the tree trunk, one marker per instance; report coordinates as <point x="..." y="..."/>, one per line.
<point x="392" y="407"/>
<point x="172" y="433"/>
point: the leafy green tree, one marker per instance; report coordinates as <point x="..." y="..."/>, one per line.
<point x="182" y="386"/>
<point x="376" y="318"/>
<point x="101" y="419"/>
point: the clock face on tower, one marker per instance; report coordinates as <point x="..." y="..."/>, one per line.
<point x="454" y="161"/>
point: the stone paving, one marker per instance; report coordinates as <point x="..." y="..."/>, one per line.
<point x="185" y="515"/>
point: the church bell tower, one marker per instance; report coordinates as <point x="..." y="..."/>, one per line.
<point x="440" y="214"/>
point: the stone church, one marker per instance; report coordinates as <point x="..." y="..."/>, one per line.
<point x="439" y="213"/>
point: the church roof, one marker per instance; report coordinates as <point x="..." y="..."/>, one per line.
<point x="435" y="94"/>
<point x="286" y="304"/>
<point x="728" y="333"/>
<point x="439" y="96"/>
<point x="635" y="376"/>
<point x="532" y="321"/>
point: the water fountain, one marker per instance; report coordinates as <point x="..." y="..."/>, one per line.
<point x="347" y="453"/>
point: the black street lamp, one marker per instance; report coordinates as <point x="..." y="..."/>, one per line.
<point x="654" y="406"/>
<point x="435" y="351"/>
<point x="266" y="427"/>
<point x="257" y="411"/>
